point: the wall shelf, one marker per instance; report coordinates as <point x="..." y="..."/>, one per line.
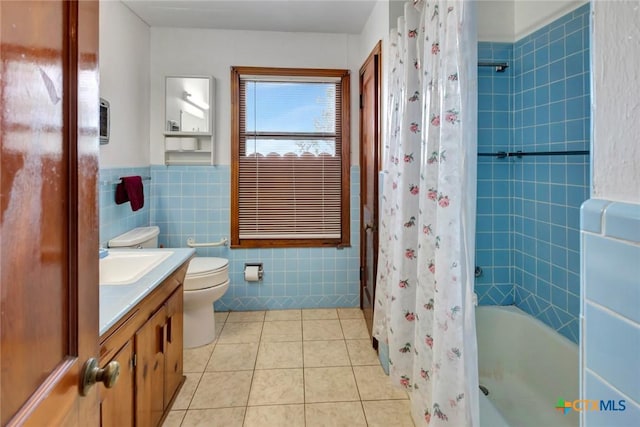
<point x="186" y="134"/>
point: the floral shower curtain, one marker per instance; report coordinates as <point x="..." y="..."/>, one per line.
<point x="423" y="305"/>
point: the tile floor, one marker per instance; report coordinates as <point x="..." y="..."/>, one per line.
<point x="288" y="368"/>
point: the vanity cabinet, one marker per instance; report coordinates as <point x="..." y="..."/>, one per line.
<point x="159" y="361"/>
<point x="147" y="342"/>
<point x="117" y="403"/>
<point x="173" y="349"/>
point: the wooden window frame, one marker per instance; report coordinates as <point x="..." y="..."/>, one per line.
<point x="344" y="239"/>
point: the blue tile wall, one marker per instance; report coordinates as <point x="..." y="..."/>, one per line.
<point x="194" y="201"/>
<point x="117" y="219"/>
<point x="551" y="113"/>
<point x="610" y="334"/>
<point x="548" y="110"/>
<point x="493" y="222"/>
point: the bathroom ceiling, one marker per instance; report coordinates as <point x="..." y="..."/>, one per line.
<point x="322" y="16"/>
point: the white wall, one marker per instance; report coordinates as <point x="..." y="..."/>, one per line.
<point x="496" y="21"/>
<point x="509" y="21"/>
<point x="531" y="15"/>
<point x="376" y="29"/>
<point x="124" y="82"/>
<point x="615" y="65"/>
<point x="180" y="51"/>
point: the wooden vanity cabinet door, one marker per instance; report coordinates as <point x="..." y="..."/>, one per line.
<point x="116" y="404"/>
<point x="173" y="347"/>
<point x="150" y="350"/>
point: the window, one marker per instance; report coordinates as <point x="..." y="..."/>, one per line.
<point x="290" y="157"/>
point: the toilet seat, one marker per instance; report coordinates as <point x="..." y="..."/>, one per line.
<point x="206" y="272"/>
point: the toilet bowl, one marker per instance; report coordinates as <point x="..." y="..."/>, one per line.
<point x="207" y="279"/>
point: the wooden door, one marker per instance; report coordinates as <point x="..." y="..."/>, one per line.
<point x="173" y="353"/>
<point x="116" y="404"/>
<point x="150" y="354"/>
<point x="49" y="219"/>
<point x="369" y="167"/>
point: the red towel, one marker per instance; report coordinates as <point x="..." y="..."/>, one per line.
<point x="130" y="190"/>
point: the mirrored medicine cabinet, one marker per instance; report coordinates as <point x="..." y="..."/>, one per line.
<point x="189" y="119"/>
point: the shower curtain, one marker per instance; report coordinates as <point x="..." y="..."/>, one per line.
<point x="424" y="308"/>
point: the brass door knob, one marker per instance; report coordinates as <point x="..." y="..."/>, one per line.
<point x="92" y="374"/>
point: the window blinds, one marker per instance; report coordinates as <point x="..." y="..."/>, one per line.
<point x="290" y="159"/>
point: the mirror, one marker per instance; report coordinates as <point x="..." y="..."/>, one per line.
<point x="188" y="104"/>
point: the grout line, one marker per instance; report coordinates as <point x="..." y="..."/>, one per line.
<point x="304" y="384"/>
<point x="253" y="374"/>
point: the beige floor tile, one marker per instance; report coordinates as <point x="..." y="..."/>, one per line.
<point x="221" y="316"/>
<point x="374" y="384"/>
<point x="385" y="413"/>
<point x="325" y="353"/>
<point x="321" y="330"/>
<point x="282" y="330"/>
<point x="279" y="355"/>
<point x="246" y="316"/>
<point x="174" y="419"/>
<point x="329" y="385"/>
<point x="233" y="357"/>
<point x="350" y="313"/>
<point x="278" y="415"/>
<point x="226" y="417"/>
<point x="196" y="359"/>
<point x="186" y="392"/>
<point x="283" y="315"/>
<point x="277" y="386"/>
<point x="241" y="332"/>
<point x="222" y="390"/>
<point x="219" y="327"/>
<point x="354" y="329"/>
<point x="319" y="314"/>
<point x="361" y="352"/>
<point x="337" y="414"/>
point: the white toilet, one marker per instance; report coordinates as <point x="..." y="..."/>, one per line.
<point x="206" y="281"/>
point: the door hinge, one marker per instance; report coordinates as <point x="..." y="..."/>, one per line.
<point x="361" y="101"/>
<point x="134" y="360"/>
<point x="361" y="274"/>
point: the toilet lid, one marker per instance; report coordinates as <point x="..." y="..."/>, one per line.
<point x="206" y="265"/>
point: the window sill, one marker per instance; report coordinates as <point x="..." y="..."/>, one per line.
<point x="289" y="243"/>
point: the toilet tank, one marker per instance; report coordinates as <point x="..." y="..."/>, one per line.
<point x="141" y="237"/>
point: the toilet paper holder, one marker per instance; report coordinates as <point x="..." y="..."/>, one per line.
<point x="247" y="265"/>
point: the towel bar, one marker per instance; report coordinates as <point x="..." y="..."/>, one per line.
<point x="144" y="178"/>
<point x="192" y="243"/>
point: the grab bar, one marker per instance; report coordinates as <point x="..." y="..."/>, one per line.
<point x="192" y="243"/>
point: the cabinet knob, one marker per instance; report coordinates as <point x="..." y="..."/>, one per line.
<point x="92" y="373"/>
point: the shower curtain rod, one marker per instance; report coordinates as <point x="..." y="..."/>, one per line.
<point x="499" y="66"/>
<point x="503" y="154"/>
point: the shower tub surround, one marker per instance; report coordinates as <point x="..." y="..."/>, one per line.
<point x="525" y="366"/>
<point x="528" y="208"/>
<point x="194" y="201"/>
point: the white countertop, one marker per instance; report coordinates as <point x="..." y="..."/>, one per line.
<point x="117" y="300"/>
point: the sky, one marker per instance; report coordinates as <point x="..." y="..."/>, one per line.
<point x="290" y="107"/>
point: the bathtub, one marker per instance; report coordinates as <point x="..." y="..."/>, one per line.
<point x="527" y="367"/>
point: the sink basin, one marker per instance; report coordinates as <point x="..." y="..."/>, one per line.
<point x="126" y="267"/>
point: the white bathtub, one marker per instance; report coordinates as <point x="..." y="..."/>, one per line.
<point x="527" y="367"/>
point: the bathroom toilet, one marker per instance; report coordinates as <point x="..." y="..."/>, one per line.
<point x="207" y="279"/>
